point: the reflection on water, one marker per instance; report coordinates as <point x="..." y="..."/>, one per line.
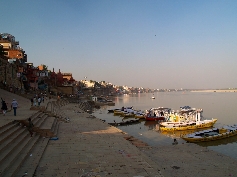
<point x="214" y="105"/>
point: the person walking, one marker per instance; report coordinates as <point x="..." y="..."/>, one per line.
<point x="31" y="100"/>
<point x="34" y="100"/>
<point x="14" y="106"/>
<point x="4" y="107"/>
<point x="39" y="101"/>
<point x="30" y="127"/>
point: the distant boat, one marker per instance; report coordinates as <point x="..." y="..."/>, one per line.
<point x="156" y="114"/>
<point x="153" y="97"/>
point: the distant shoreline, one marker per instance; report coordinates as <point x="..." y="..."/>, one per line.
<point x="214" y="90"/>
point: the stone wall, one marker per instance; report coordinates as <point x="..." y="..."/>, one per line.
<point x="8" y="73"/>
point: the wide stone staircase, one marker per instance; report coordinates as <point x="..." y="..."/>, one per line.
<point x="19" y="152"/>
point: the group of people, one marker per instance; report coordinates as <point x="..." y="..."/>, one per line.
<point x="14" y="106"/>
<point x="37" y="100"/>
<point x="4" y="108"/>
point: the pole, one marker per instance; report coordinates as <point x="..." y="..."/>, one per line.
<point x="5" y="75"/>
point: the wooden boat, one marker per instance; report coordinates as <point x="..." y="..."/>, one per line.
<point x="186" y="119"/>
<point x="128" y="114"/>
<point x="153" y="118"/>
<point x="119" y="109"/>
<point x="125" y="123"/>
<point x="182" y="126"/>
<point x="139" y="116"/>
<point x="157" y="114"/>
<point x="112" y="110"/>
<point x="118" y="112"/>
<point x="211" y="134"/>
<point x="123" y="111"/>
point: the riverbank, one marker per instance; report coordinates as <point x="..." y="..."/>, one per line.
<point x="87" y="146"/>
<point x="214" y="90"/>
<point x="102" y="150"/>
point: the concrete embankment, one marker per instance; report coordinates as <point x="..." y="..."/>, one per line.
<point x="87" y="146"/>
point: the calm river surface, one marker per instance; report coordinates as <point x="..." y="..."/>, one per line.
<point x="214" y="104"/>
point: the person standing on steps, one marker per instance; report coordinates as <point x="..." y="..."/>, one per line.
<point x="31" y="100"/>
<point x="30" y="127"/>
<point x="39" y="101"/>
<point x="4" y="107"/>
<point x="14" y="106"/>
<point x="34" y="101"/>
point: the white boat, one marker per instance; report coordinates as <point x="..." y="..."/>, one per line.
<point x="139" y="114"/>
<point x="157" y="114"/>
<point x="119" y="109"/>
<point x="186" y="119"/>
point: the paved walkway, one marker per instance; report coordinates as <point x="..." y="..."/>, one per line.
<point x="89" y="147"/>
<point x="23" y="110"/>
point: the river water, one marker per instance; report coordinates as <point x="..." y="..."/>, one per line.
<point x="214" y="104"/>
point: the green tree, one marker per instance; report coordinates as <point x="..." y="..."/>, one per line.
<point x="45" y="68"/>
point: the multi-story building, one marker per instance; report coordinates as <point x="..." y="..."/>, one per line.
<point x="11" y="47"/>
<point x="68" y="79"/>
<point x="12" y="59"/>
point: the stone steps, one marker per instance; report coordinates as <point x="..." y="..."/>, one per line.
<point x="32" y="159"/>
<point x="6" y="127"/>
<point x="20" y="155"/>
<point x="19" y="152"/>
<point x="15" y="151"/>
<point x="31" y="163"/>
<point x="56" y="127"/>
<point x="10" y="135"/>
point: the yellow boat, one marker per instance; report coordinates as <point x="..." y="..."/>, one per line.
<point x="118" y="112"/>
<point x="128" y="115"/>
<point x="211" y="134"/>
<point x="139" y="116"/>
<point x="181" y="126"/>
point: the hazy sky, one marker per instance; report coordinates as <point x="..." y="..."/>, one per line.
<point x="140" y="43"/>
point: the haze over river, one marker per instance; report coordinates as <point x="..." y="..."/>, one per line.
<point x="220" y="105"/>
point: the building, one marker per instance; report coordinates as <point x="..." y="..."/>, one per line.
<point x="11" y="47"/>
<point x="12" y="58"/>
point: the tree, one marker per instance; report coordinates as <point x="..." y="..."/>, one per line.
<point x="45" y="68"/>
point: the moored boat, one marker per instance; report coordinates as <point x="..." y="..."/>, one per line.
<point x="182" y="126"/>
<point x="157" y="114"/>
<point x="186" y="119"/>
<point x="112" y="110"/>
<point x="128" y="114"/>
<point x="152" y="118"/>
<point x="119" y="109"/>
<point x="211" y="134"/>
<point x="139" y="116"/>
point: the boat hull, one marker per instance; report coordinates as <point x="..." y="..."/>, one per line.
<point x="210" y="138"/>
<point x="188" y="127"/>
<point x="139" y="116"/>
<point x="149" y="118"/>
